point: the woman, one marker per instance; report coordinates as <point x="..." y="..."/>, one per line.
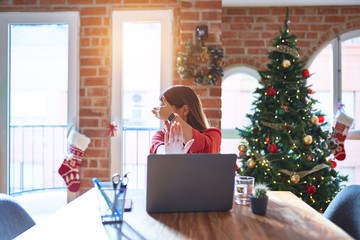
<point x="187" y="129"/>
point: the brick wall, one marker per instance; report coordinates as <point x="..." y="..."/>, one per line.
<point x="245" y="34"/>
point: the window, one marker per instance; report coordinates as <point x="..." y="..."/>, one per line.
<point x="238" y="86"/>
<point x="38" y="80"/>
<point x="335" y="69"/>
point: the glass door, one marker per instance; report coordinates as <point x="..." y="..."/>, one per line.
<point x="38" y="81"/>
<point x="142" y="58"/>
<point x="38" y="104"/>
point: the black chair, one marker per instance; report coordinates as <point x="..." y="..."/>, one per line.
<point x="14" y="220"/>
<point x="344" y="210"/>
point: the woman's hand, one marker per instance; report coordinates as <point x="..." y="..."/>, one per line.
<point x="164" y="111"/>
<point x="174" y="142"/>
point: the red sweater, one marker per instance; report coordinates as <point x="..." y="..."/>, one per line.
<point x="208" y="141"/>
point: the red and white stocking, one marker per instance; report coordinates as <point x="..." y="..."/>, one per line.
<point x="70" y="168"/>
<point x="342" y="124"/>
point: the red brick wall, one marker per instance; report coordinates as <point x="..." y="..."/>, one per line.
<point x="245" y="34"/>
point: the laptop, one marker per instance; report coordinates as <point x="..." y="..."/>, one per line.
<point x="190" y="182"/>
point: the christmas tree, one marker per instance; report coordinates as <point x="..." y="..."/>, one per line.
<point x="285" y="145"/>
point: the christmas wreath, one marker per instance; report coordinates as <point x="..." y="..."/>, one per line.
<point x="204" y="64"/>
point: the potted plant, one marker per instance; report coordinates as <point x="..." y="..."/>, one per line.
<point x="259" y="199"/>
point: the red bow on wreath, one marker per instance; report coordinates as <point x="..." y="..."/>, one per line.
<point x="112" y="129"/>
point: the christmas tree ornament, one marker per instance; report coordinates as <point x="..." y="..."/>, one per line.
<point x="70" y="168"/>
<point x="273" y="148"/>
<point x="271" y="92"/>
<point x="314" y="120"/>
<point x="305" y="73"/>
<point x="267" y="139"/>
<point x="342" y="124"/>
<point x="286" y="63"/>
<point x="310" y="189"/>
<point x="112" y="129"/>
<point x="310" y="91"/>
<point x="309" y="158"/>
<point x="333" y="164"/>
<point x="321" y="119"/>
<point x="251" y="163"/>
<point x="242" y="148"/>
<point x="295" y="178"/>
<point x="308" y="139"/>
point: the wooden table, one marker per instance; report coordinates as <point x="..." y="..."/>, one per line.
<point x="287" y="217"/>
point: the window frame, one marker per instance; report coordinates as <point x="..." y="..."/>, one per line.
<point x="7" y="18"/>
<point x="233" y="133"/>
<point x="353" y="134"/>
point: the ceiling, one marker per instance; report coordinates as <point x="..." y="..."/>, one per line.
<point x="288" y="3"/>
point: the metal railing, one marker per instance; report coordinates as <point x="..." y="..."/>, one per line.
<point x="37" y="151"/>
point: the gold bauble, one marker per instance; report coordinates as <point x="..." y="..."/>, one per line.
<point x="315" y="120"/>
<point x="308" y="139"/>
<point x="242" y="148"/>
<point x="251" y="163"/>
<point x="295" y="178"/>
<point x="286" y="63"/>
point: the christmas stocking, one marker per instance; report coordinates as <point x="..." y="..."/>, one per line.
<point x="342" y="124"/>
<point x="70" y="168"/>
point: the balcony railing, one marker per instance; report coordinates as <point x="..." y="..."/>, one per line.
<point x="37" y="151"/>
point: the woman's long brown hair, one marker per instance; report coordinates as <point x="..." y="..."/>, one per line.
<point x="179" y="96"/>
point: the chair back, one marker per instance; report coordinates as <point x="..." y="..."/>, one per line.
<point x="14" y="219"/>
<point x="344" y="210"/>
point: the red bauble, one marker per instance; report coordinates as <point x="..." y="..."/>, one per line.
<point x="309" y="158"/>
<point x="321" y="119"/>
<point x="273" y="148"/>
<point x="310" y="189"/>
<point x="305" y="73"/>
<point x="310" y="91"/>
<point x="271" y="92"/>
<point x="236" y="168"/>
<point x="267" y="139"/>
<point x="333" y="164"/>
